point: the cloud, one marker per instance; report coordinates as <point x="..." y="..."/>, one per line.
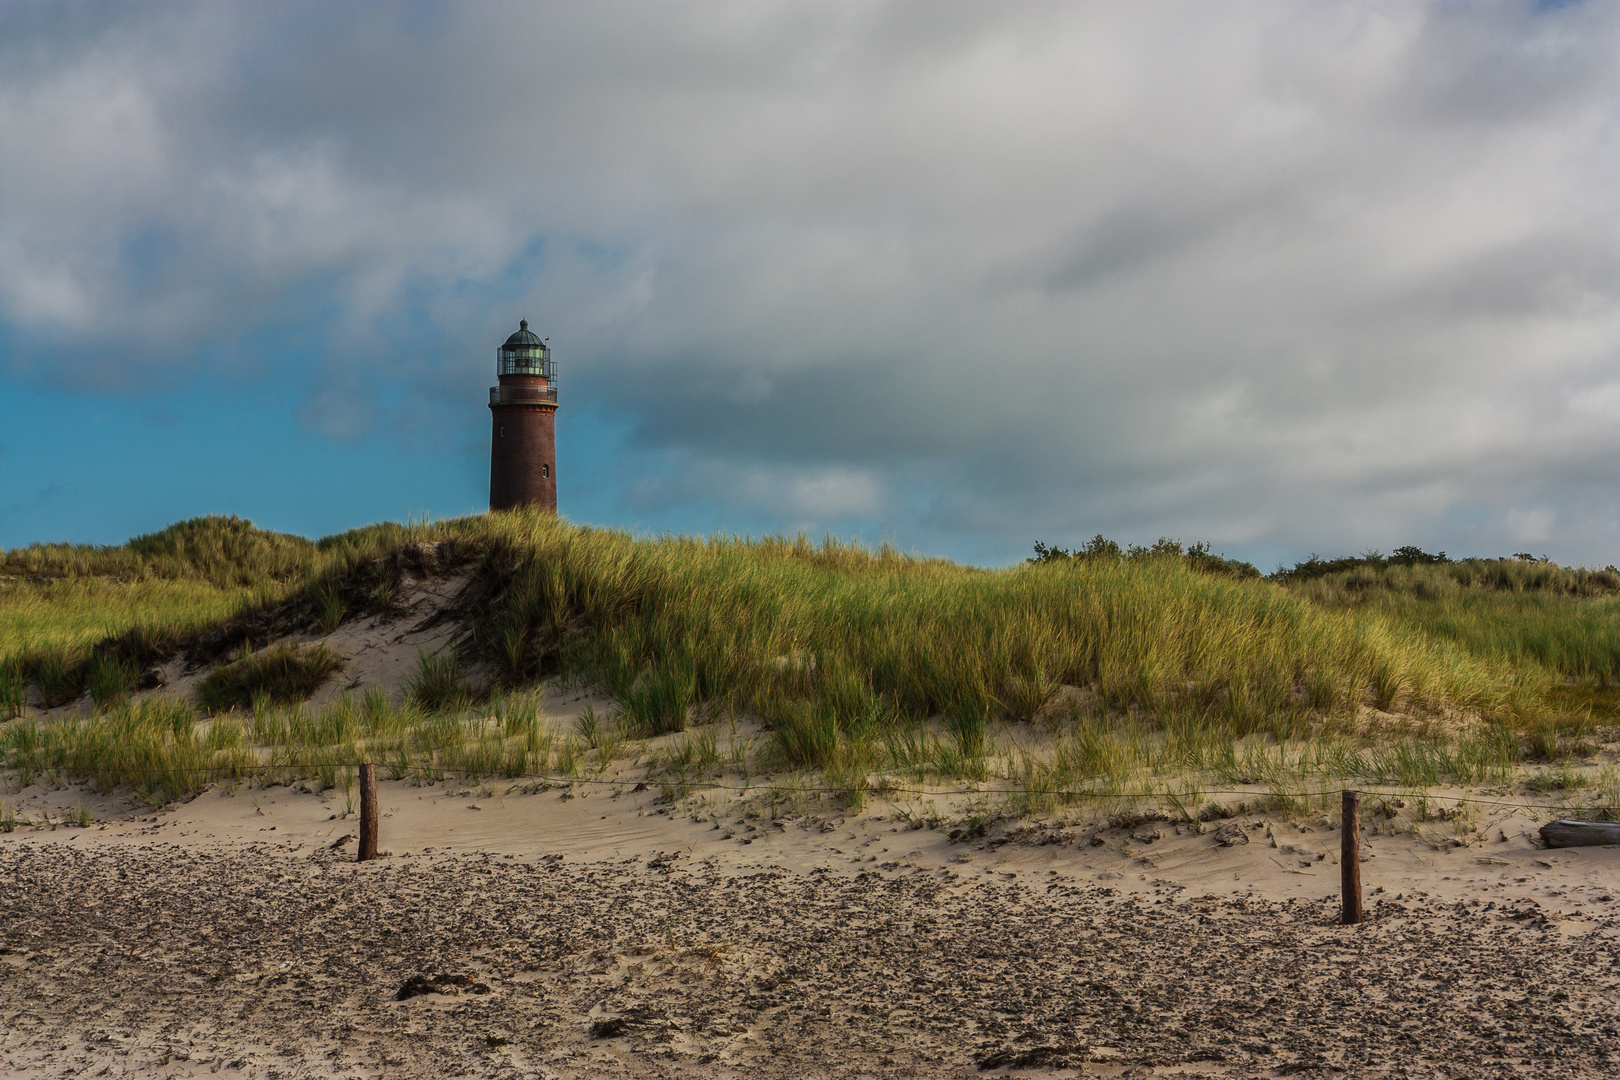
<point x="1275" y="275"/>
<point x="791" y="498"/>
<point x="1531" y="526"/>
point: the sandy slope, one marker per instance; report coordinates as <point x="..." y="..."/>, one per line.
<point x="228" y="937"/>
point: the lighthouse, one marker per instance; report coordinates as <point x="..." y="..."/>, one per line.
<point x="523" y="436"/>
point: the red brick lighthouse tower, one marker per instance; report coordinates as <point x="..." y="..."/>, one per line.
<point x="523" y="444"/>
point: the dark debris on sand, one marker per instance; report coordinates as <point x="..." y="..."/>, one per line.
<point x="253" y="962"/>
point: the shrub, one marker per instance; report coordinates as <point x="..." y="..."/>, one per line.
<point x="659" y="702"/>
<point x="329" y="606"/>
<point x="1412" y="570"/>
<point x="1101" y="549"/>
<point x="60" y="679"/>
<point x="438" y="685"/>
<point x="112" y="679"/>
<point x="805" y="735"/>
<point x="969" y="724"/>
<point x="282" y="674"/>
<point x="13" y="690"/>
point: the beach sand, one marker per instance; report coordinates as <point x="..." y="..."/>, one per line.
<point x="594" y="930"/>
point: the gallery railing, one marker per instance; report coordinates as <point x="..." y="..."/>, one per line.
<point x="523" y="395"/>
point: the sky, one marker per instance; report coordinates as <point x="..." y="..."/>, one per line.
<point x="1288" y="278"/>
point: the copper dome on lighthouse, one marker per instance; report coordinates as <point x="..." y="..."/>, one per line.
<point x="524" y="336"/>
<point x="525" y="353"/>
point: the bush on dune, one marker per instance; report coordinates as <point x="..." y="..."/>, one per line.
<point x="282" y="674"/>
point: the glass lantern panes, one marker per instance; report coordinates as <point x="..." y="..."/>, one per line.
<point x="524" y="360"/>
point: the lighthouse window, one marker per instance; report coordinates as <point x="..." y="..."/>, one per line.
<point x="545" y="470"/>
<point x="503" y="431"/>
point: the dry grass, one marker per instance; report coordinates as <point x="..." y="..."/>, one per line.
<point x="281" y="674"/>
<point x="1069" y="680"/>
<point x="438" y="684"/>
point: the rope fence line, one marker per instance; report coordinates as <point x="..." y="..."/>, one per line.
<point x="443" y="771"/>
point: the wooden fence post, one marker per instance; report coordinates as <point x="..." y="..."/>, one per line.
<point x="1350" y="857"/>
<point x="368" y="812"/>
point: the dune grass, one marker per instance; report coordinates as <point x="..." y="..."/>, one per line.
<point x="282" y="674"/>
<point x="225" y="553"/>
<point x="1435" y="576"/>
<point x="74" y="614"/>
<point x="155" y="748"/>
<point x="61" y="603"/>
<point x="438" y="684"/>
<point x="867" y="667"/>
<point x="52" y="629"/>
<point x="161" y="749"/>
<point x="829" y="637"/>
<point x="62" y="606"/>
<point x="1565" y="630"/>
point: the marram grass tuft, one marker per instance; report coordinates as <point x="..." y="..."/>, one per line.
<point x="862" y="663"/>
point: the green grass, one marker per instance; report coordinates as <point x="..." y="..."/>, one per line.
<point x="282" y="674"/>
<point x="160" y="749"/>
<point x="72" y="615"/>
<point x="871" y="663"/>
<point x="330" y="604"/>
<point x="1534" y="618"/>
<point x="862" y="663"/>
<point x="731" y="623"/>
<point x="438" y="684"/>
<point x="1569" y="637"/>
<point x="111" y="679"/>
<point x="225" y="553"/>
<point x="152" y="747"/>
<point x="62" y="604"/>
<point x="1346" y="580"/>
<point x="59" y="602"/>
<point x="13" y="690"/>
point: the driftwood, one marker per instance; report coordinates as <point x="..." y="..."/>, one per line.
<point x="1566" y="833"/>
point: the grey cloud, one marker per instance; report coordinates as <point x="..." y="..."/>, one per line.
<point x="1125" y="240"/>
<point x="1508" y="64"/>
<point x="1556" y="276"/>
<point x="1267" y="275"/>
